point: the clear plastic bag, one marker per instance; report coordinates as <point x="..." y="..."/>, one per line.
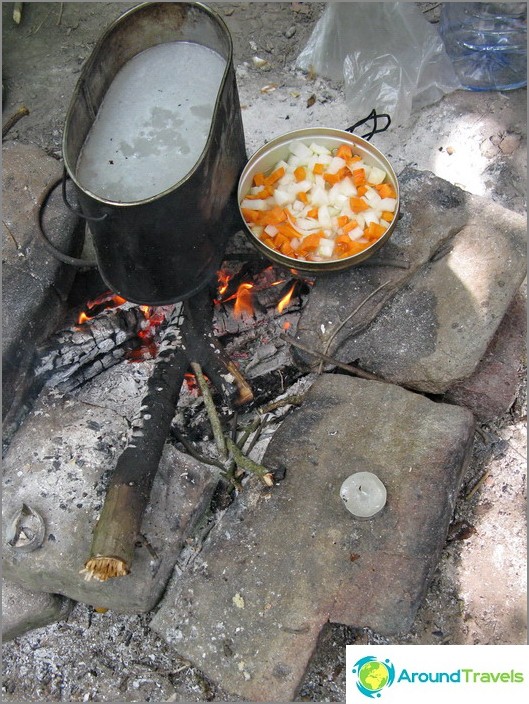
<point x="387" y="54"/>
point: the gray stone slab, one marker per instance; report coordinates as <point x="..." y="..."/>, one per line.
<point x="284" y="562"/>
<point x="24" y="610"/>
<point x="426" y="224"/>
<point x="429" y="326"/>
<point x="494" y="386"/>
<point x="59" y="463"/>
<point x="35" y="285"/>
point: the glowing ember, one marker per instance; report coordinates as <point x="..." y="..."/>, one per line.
<point x="283" y="303"/>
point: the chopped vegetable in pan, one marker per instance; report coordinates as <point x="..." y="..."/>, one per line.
<point x="320" y="204"/>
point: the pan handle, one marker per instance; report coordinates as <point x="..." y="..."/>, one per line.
<point x="74" y="210"/>
<point x="373" y="115"/>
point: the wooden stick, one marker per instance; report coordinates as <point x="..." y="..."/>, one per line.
<point x="12" y="121"/>
<point x="211" y="411"/>
<point x="118" y="527"/>
<point x="357" y="371"/>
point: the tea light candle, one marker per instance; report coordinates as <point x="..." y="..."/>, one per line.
<point x="363" y="494"/>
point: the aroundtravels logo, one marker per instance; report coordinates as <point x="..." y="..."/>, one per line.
<point x="373" y="675"/>
<point x="393" y="674"/>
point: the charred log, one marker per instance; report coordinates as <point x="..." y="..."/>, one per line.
<point x="128" y="493"/>
<point x="98" y="343"/>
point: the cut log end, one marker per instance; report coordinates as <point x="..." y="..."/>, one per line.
<point x="103" y="568"/>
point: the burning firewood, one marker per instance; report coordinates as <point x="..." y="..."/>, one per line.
<point x="118" y="528"/>
<point x="119" y="524"/>
<point x="74" y="355"/>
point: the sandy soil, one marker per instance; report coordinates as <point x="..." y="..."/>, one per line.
<point x="478" y="594"/>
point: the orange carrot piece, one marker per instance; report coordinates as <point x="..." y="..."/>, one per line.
<point x="300" y="173"/>
<point x="264" y="193"/>
<point x="354" y="160"/>
<point x="361" y="190"/>
<point x="374" y="231"/>
<point x="259" y="179"/>
<point x="349" y="226"/>
<point x="312" y="213"/>
<point x="385" y="190"/>
<point x="287" y="230"/>
<point x="346" y="247"/>
<point x="343" y="239"/>
<point x="266" y="239"/>
<point x="280" y="239"/>
<point x="318" y="169"/>
<point x="275" y="176"/>
<point x="337" y="177"/>
<point x="310" y="243"/>
<point x="251" y="215"/>
<point x="273" y="216"/>
<point x="359" y="177"/>
<point x="344" y="151"/>
<point x="302" y="196"/>
<point x="357" y="204"/>
<point x="286" y="249"/>
<point x="342" y="220"/>
<point x="387" y="215"/>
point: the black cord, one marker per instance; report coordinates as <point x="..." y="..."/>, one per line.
<point x="373" y="115"/>
<point x="61" y="256"/>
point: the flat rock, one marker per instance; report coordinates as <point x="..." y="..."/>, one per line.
<point x="284" y="562"/>
<point x="35" y="285"/>
<point x="493" y="387"/>
<point x="59" y="463"/>
<point x="24" y="610"/>
<point x="429" y="326"/>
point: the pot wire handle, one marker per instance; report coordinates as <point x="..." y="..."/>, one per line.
<point x="74" y="210"/>
<point x="373" y="115"/>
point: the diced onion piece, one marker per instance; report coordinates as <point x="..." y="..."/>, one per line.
<point x="374" y="199"/>
<point x="370" y="216"/>
<point x="307" y="224"/>
<point x="325" y="248"/>
<point x="304" y="186"/>
<point x="298" y="206"/>
<point x="346" y="186"/>
<point x="336" y="164"/>
<point x="376" y="175"/>
<point x="388" y="204"/>
<point x="300" y="150"/>
<point x="257" y="204"/>
<point x="356" y="233"/>
<point x="271" y="230"/>
<point x="324" y="217"/>
<point x="282" y="197"/>
<point x="318" y="198"/>
<point x="319" y="148"/>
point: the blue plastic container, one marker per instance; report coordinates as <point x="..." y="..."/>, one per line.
<point x="487" y="43"/>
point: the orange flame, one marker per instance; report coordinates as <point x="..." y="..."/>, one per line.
<point x="243" y="300"/>
<point x="224" y="279"/>
<point x="283" y="303"/>
<point x="111" y="299"/>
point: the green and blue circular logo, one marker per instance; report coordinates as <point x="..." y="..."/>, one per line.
<point x="373" y="675"/>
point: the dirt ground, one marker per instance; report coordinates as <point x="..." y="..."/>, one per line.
<point x="478" y="595"/>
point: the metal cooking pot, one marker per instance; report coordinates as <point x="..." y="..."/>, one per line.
<point x="164" y="248"/>
<point x="277" y="149"/>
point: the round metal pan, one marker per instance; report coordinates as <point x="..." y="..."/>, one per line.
<point x="275" y="150"/>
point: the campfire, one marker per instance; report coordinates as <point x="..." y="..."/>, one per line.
<point x="203" y="352"/>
